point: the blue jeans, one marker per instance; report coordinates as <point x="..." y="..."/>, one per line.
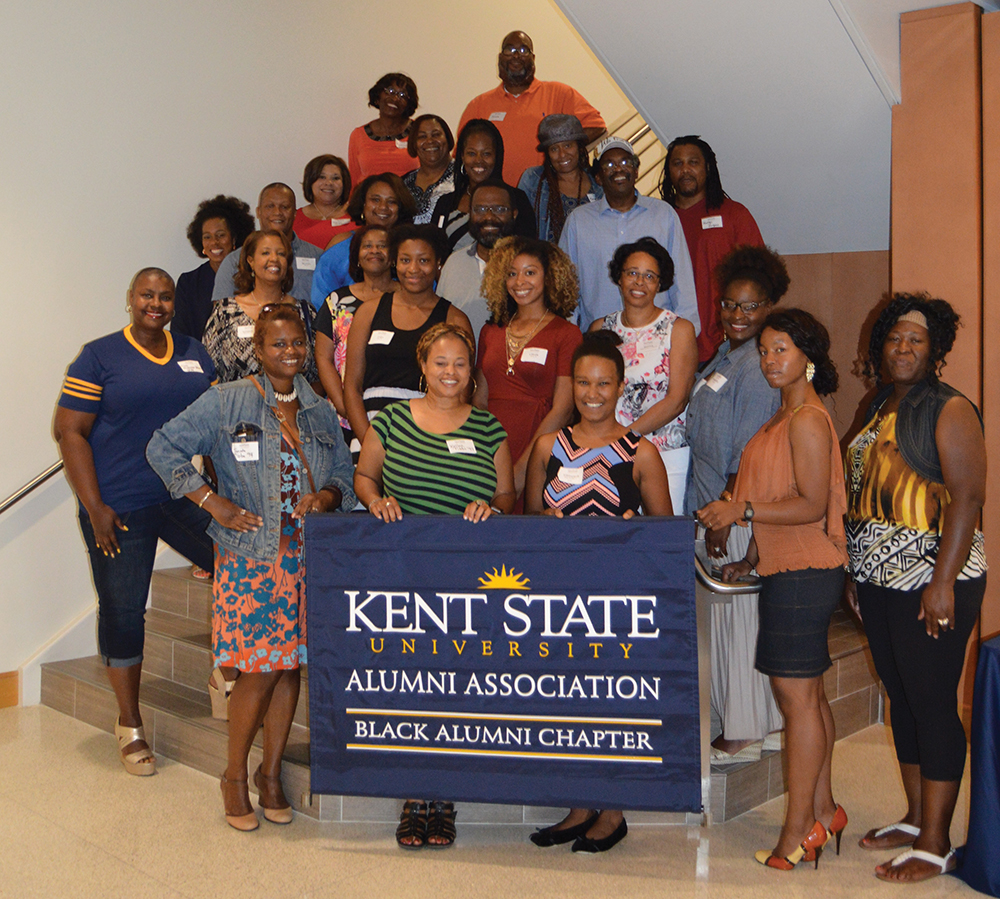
<point x="122" y="580"/>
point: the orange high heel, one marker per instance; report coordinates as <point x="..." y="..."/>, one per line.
<point x="838" y="824"/>
<point x="809" y="850"/>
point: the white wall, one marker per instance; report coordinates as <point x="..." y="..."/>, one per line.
<point x="116" y="119"/>
<point x="801" y="130"/>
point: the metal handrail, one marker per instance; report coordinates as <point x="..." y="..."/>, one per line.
<point x="749" y="585"/>
<point x="31" y="485"/>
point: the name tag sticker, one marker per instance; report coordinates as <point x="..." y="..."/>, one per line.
<point x="570" y="475"/>
<point x="715" y="381"/>
<point x="191" y="365"/>
<point x="244" y="332"/>
<point x="711" y="221"/>
<point x="246" y="452"/>
<point x="402" y="144"/>
<point x="380" y="337"/>
<point x="461" y="446"/>
<point x="308" y="263"/>
<point x="497" y="116"/>
<point x="534" y="354"/>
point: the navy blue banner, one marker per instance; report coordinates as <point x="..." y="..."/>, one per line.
<point x="522" y="660"/>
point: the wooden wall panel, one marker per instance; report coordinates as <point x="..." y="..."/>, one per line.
<point x="9" y="682"/>
<point x="991" y="302"/>
<point x="936" y="173"/>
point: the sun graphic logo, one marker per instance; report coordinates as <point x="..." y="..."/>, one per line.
<point x="503" y="580"/>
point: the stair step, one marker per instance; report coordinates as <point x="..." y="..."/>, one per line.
<point x="177" y="714"/>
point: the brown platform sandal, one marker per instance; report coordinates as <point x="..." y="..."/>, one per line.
<point x="412" y="825"/>
<point x="441" y="824"/>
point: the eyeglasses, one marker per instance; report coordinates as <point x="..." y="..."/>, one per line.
<point x="747" y="308"/>
<point x="395" y="92"/>
<point x="610" y="165"/>
<point x="635" y="275"/>
<point x="496" y="210"/>
<point x="511" y="52"/>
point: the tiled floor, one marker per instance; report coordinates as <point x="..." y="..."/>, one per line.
<point x="74" y="824"/>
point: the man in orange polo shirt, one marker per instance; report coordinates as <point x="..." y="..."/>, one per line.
<point x="520" y="102"/>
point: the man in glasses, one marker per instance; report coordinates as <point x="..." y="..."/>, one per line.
<point x="521" y="101"/>
<point x="275" y="211"/>
<point x="491" y="216"/>
<point x="713" y="225"/>
<point x="594" y="231"/>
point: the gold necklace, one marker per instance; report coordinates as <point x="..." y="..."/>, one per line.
<point x="515" y="344"/>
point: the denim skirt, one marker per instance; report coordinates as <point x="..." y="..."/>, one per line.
<point x="795" y="609"/>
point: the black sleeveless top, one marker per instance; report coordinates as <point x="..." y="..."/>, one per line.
<point x="391" y="369"/>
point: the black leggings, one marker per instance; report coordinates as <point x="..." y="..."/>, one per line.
<point x="921" y="674"/>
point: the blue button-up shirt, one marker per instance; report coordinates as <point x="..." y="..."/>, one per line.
<point x="593" y="233"/>
<point x="304" y="259"/>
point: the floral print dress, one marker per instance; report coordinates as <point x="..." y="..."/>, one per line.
<point x="259" y="610"/>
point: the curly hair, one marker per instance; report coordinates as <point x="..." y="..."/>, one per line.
<point x="314" y="170"/>
<point x="472" y="127"/>
<point x="233" y="210"/>
<point x="603" y="344"/>
<point x="407" y="205"/>
<point x="812" y="338"/>
<point x="411" y="141"/>
<point x="434" y="237"/>
<point x="354" y="251"/>
<point x="395" y="79"/>
<point x="651" y="247"/>
<point x="562" y="287"/>
<point x="942" y="327"/>
<point x="714" y="194"/>
<point x="278" y="312"/>
<point x="243" y="280"/>
<point x="443" y="329"/>
<point x="761" y="265"/>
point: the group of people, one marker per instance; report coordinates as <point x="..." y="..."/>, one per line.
<point x="438" y="341"/>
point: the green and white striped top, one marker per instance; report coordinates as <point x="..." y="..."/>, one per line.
<point x="437" y="474"/>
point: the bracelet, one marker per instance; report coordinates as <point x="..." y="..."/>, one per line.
<point x="372" y="503"/>
<point x="204" y="499"/>
<point x="496" y="510"/>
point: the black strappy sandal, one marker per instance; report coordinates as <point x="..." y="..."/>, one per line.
<point x="441" y="824"/>
<point x="412" y="825"/>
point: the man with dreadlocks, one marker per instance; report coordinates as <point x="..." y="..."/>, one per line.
<point x="713" y="225"/>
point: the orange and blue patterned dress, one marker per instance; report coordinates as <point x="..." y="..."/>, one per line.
<point x="259" y="609"/>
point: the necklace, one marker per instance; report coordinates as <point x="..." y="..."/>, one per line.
<point x="516" y="344"/>
<point x="285" y="397"/>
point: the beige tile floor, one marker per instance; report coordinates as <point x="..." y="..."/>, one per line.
<point x="74" y="824"/>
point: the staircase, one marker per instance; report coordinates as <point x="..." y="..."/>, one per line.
<point x="178" y="719"/>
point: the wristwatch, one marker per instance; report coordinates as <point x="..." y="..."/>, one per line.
<point x="748" y="512"/>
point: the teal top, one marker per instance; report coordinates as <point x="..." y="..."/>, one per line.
<point x="437" y="474"/>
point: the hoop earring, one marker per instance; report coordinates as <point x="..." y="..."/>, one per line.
<point x="422" y="384"/>
<point x="810" y="371"/>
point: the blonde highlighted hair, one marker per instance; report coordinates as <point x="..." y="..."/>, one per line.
<point x="562" y="287"/>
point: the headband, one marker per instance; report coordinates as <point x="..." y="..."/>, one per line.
<point x="918" y="318"/>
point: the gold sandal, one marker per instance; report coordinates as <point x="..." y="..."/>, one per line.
<point x="142" y="762"/>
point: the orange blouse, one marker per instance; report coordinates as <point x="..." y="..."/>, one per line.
<point x="766" y="476"/>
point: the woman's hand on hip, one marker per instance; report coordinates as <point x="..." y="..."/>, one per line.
<point x="231" y="516"/>
<point x="105" y="521"/>
<point x="937" y="608"/>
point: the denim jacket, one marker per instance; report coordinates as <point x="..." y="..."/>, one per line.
<point x="229" y="415"/>
<point x="916" y="424"/>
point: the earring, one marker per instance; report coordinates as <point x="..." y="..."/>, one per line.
<point x="128" y="308"/>
<point x="422" y="384"/>
<point x="810" y="371"/>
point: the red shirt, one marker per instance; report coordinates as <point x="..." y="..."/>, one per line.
<point x="710" y="235"/>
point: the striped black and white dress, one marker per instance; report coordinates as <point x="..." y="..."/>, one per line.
<point x="437" y="473"/>
<point x="595" y="481"/>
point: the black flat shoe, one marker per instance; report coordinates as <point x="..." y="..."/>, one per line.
<point x="556" y="836"/>
<point x="603" y="844"/>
